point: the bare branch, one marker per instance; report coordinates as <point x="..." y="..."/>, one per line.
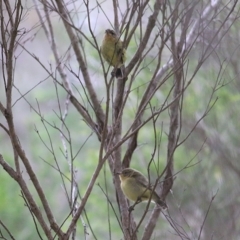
<point x="96" y="103"/>
<point x="31" y="202"/>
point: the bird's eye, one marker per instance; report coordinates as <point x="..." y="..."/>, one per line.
<point x="112" y="32"/>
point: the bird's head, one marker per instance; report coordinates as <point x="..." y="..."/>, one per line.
<point x="110" y="32"/>
<point x="110" y="35"/>
<point x="128" y="173"/>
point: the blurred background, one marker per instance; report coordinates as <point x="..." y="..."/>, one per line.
<point x="205" y="194"/>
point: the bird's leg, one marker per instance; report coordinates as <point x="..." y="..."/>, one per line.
<point x="138" y="200"/>
<point x="131" y="208"/>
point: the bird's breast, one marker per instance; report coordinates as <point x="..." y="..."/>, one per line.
<point x="131" y="189"/>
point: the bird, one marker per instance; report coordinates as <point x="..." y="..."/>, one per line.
<point x="137" y="188"/>
<point x="113" y="52"/>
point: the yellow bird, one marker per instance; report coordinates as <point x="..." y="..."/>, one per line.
<point x="136" y="187"/>
<point x="113" y="52"/>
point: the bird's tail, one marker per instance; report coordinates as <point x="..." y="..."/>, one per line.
<point x="119" y="73"/>
<point x="161" y="203"/>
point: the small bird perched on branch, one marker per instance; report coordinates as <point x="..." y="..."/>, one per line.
<point x="136" y="187"/>
<point x="113" y="52"/>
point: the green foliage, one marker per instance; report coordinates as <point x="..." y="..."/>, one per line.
<point x="205" y="164"/>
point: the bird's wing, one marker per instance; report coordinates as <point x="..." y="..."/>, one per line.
<point x="120" y="51"/>
<point x="143" y="181"/>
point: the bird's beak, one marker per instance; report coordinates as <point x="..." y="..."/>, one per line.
<point x="118" y="173"/>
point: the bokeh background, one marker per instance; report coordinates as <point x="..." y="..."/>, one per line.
<point x="206" y="187"/>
